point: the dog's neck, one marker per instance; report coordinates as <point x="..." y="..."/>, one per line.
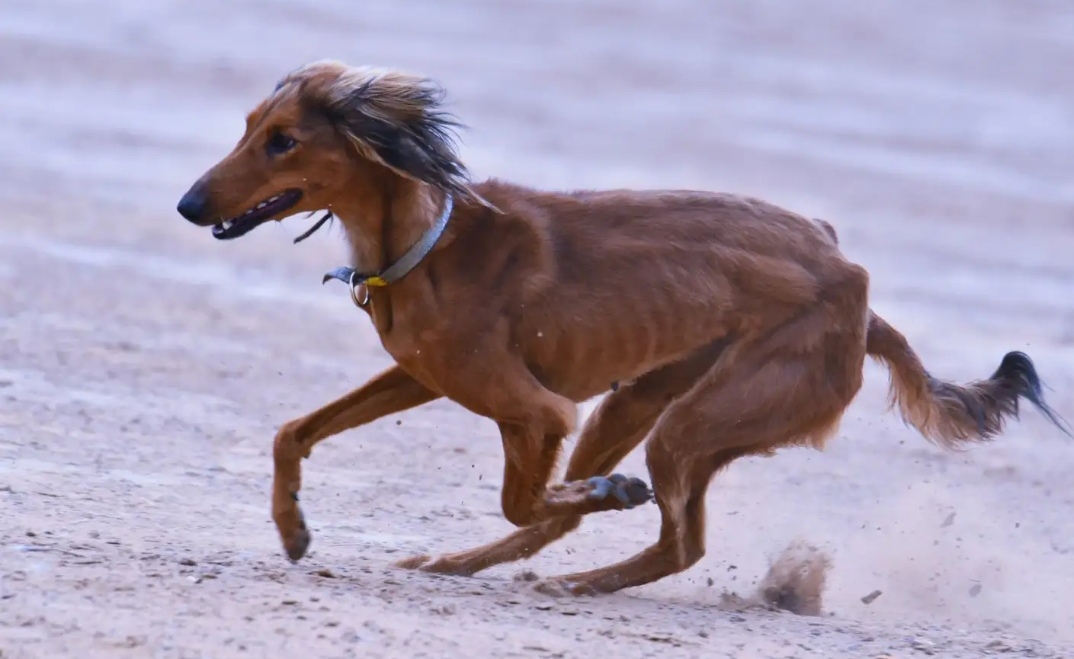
<point x="382" y="226"/>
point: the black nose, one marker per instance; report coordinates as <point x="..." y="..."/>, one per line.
<point x="192" y="205"/>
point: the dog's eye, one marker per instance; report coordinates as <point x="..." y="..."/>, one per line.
<point x="278" y="143"/>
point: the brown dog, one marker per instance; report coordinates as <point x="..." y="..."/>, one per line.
<point x="734" y="326"/>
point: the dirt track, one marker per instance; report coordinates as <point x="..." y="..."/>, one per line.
<point x="144" y="367"/>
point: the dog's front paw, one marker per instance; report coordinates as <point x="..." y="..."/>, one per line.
<point x="297" y="543"/>
<point x="413" y="562"/>
<point x="291" y="525"/>
<point x="454" y="565"/>
<point x="561" y="587"/>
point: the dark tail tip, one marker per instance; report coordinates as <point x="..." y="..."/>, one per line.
<point x="1018" y="371"/>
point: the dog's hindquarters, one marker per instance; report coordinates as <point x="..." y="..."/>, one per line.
<point x="948" y="414"/>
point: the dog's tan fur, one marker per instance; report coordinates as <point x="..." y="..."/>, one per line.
<point x="735" y="327"/>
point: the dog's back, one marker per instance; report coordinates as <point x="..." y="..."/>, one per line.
<point x="660" y="272"/>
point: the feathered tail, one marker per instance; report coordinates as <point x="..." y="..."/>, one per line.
<point x="949" y="414"/>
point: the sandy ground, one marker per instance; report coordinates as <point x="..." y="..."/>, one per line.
<point x="144" y="367"/>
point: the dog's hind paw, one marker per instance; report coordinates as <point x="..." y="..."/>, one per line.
<point x="629" y="491"/>
<point x="615" y="492"/>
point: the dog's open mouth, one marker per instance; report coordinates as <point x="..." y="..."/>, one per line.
<point x="256" y="216"/>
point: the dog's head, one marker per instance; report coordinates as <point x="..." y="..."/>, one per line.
<point x="327" y="131"/>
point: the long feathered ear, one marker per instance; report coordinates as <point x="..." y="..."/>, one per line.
<point x="397" y="120"/>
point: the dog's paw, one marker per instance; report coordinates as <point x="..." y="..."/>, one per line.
<point x="450" y="565"/>
<point x="615" y="492"/>
<point x="630" y="492"/>
<point x="561" y="587"/>
<point x="297" y="544"/>
<point x="291" y="524"/>
<point x="413" y="562"/>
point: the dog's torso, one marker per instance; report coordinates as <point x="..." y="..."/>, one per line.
<point x="589" y="288"/>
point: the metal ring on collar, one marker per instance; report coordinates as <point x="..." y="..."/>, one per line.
<point x="354" y="291"/>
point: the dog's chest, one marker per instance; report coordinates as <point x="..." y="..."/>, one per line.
<point x="423" y="355"/>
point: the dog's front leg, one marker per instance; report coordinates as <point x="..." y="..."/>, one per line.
<point x="527" y="500"/>
<point x="529" y="459"/>
<point x="391" y="391"/>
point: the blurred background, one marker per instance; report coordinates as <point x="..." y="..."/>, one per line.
<point x="144" y="366"/>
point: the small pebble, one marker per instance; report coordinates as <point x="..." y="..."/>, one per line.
<point x="923" y="645"/>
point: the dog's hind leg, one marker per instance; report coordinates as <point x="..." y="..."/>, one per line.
<point x="788" y="386"/>
<point x="618" y="425"/>
<point x="615" y="428"/>
<point x="391" y="391"/>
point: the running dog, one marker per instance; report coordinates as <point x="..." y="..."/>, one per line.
<point x="724" y="326"/>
